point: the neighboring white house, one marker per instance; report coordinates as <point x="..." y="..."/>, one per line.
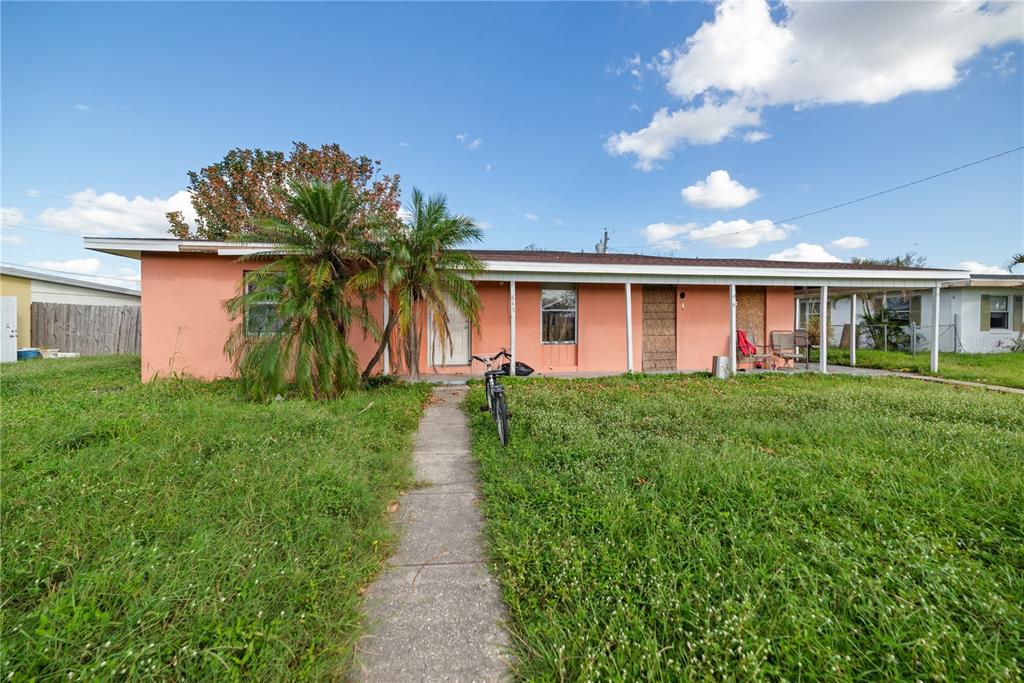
<point x="980" y="315"/>
<point x="20" y="288"/>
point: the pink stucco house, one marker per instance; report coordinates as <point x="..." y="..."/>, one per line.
<point x="560" y="312"/>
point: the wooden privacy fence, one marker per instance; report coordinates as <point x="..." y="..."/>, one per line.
<point x="86" y="329"/>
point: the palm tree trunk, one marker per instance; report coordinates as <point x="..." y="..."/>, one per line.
<point x="413" y="350"/>
<point x="384" y="339"/>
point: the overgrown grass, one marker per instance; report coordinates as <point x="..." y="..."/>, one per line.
<point x="172" y="531"/>
<point x="1003" y="369"/>
<point x="770" y="527"/>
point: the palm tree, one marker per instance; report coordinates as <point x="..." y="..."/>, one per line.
<point x="424" y="265"/>
<point x="1016" y="260"/>
<point x="296" y="312"/>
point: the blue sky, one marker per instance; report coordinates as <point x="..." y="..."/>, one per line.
<point x="540" y="120"/>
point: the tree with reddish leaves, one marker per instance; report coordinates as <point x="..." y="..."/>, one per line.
<point x="231" y="195"/>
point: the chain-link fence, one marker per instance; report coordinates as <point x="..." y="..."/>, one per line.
<point x="905" y="337"/>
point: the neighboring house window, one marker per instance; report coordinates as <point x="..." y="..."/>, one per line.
<point x="999" y="313"/>
<point x="558" y="315"/>
<point x="260" y="318"/>
<point x="899" y="308"/>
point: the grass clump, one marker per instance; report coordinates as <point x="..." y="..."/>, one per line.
<point x="1002" y="369"/>
<point x="173" y="531"/>
<point x="770" y="527"/>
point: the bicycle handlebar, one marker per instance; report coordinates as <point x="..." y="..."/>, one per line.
<point x="493" y="357"/>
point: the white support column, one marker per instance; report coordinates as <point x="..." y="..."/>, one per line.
<point x="796" y="313"/>
<point x="732" y="330"/>
<point x="935" y="328"/>
<point x="512" y="326"/>
<point x="629" y="327"/>
<point x="823" y="331"/>
<point x="853" y="329"/>
<point x="387" y="346"/>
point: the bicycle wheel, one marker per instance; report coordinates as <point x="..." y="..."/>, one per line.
<point x="501" y="416"/>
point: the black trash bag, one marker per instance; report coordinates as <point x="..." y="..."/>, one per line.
<point x="522" y="369"/>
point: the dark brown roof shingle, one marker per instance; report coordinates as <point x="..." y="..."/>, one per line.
<point x="584" y="258"/>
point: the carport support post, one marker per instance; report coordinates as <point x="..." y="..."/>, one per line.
<point x="629" y="327"/>
<point x="853" y="329"/>
<point x="732" y="330"/>
<point x="823" y="331"/>
<point x="512" y="327"/>
<point x="935" y="328"/>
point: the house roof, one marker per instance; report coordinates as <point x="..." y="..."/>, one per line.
<point x="573" y="257"/>
<point x="14" y="271"/>
<point x="580" y="267"/>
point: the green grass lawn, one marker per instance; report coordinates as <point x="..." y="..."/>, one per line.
<point x="770" y="527"/>
<point x="1004" y="369"/>
<point x="171" y="531"/>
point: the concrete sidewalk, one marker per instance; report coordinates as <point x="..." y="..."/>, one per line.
<point x="435" y="614"/>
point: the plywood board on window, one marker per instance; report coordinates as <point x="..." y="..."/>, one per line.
<point x="659" y="324"/>
<point x="750" y="311"/>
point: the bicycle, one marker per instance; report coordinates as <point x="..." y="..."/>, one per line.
<point x="496" y="402"/>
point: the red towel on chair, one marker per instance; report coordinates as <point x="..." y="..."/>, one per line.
<point x="744" y="345"/>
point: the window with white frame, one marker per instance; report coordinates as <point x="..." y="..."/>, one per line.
<point x="261" y="317"/>
<point x="809" y="308"/>
<point x="999" y="313"/>
<point x="558" y="315"/>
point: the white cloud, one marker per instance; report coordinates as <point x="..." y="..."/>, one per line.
<point x="530" y="216"/>
<point x="634" y="107"/>
<point x="719" y="191"/>
<point x="707" y="124"/>
<point x="737" y="234"/>
<point x="1005" y="65"/>
<point x="404" y="144"/>
<point x="980" y="268"/>
<point x="484" y="225"/>
<point x="110" y="213"/>
<point x="82" y="107"/>
<point x="849" y="242"/>
<point x="466" y="142"/>
<point x="756" y="136"/>
<point x="33" y="193"/>
<point x="819" y="53"/>
<point x="404" y="214"/>
<point x="81" y="266"/>
<point x="635" y="67"/>
<point x="487" y="168"/>
<point x="11" y="216"/>
<point x="813" y="253"/>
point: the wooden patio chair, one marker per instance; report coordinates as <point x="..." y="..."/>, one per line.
<point x="790" y="347"/>
<point x="749" y="351"/>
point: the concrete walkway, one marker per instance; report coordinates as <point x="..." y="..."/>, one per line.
<point x="435" y="614"/>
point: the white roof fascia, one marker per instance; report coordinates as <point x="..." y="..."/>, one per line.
<point x="593" y="272"/>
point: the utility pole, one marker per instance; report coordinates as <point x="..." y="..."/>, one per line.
<point x="602" y="246"/>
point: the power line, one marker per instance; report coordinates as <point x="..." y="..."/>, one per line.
<point x="858" y="199"/>
<point x="833" y="207"/>
<point x="893" y="244"/>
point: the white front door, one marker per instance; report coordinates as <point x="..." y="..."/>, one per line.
<point x="455" y="351"/>
<point x="9" y="329"/>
